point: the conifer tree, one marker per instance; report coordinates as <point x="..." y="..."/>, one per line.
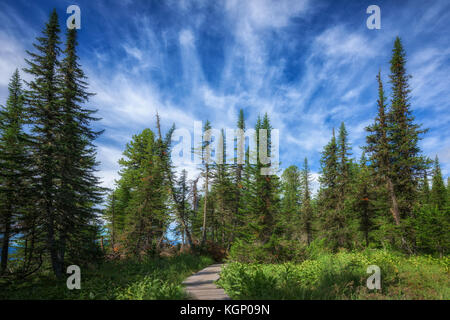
<point x="334" y="220"/>
<point x="79" y="189"/>
<point x="15" y="170"/>
<point x="406" y="161"/>
<point x="44" y="106"/>
<point x="238" y="201"/>
<point x="206" y="155"/>
<point x="224" y="194"/>
<point x="379" y="150"/>
<point x="377" y="140"/>
<point x="306" y="206"/>
<point x="247" y="216"/>
<point x="289" y="216"/>
<point x="182" y="189"/>
<point x="345" y="178"/>
<point x="164" y="148"/>
<point x="424" y="188"/>
<point x="365" y="196"/>
<point x="344" y="162"/>
<point x="448" y="190"/>
<point x="438" y="196"/>
<point x="266" y="187"/>
<point x="146" y="219"/>
<point x="432" y="227"/>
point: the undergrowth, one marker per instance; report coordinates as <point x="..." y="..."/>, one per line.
<point x="151" y="278"/>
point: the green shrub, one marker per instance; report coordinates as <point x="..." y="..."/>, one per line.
<point x="274" y="251"/>
<point x="157" y="278"/>
<point x="246" y="252"/>
<point x="340" y="276"/>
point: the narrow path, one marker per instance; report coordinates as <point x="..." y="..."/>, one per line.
<point x="200" y="286"/>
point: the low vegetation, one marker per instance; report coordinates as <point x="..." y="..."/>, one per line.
<point x="157" y="278"/>
<point x="340" y="276"/>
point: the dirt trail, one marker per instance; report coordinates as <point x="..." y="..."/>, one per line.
<point x="200" y="286"/>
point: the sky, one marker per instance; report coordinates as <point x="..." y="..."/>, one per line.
<point x="309" y="64"/>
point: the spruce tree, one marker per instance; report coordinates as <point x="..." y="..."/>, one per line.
<point x="79" y="189"/>
<point x="206" y="155"/>
<point x="44" y="106"/>
<point x="15" y="170"/>
<point x="448" y="190"/>
<point x="185" y="216"/>
<point x="424" y="189"/>
<point x="146" y="219"/>
<point x="289" y="216"/>
<point x="266" y="187"/>
<point x="345" y="178"/>
<point x="306" y="206"/>
<point x="438" y="195"/>
<point x="238" y="183"/>
<point x="334" y="219"/>
<point x="225" y="196"/>
<point x="377" y="139"/>
<point x="379" y="150"/>
<point x="406" y="162"/>
<point x="247" y="227"/>
<point x="344" y="162"/>
<point x="365" y="197"/>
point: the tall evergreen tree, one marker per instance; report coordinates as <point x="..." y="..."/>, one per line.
<point x="379" y="150"/>
<point x="424" y="189"/>
<point x="206" y="155"/>
<point x="345" y="179"/>
<point x="344" y="162"/>
<point x="334" y="220"/>
<point x="79" y="189"/>
<point x="247" y="227"/>
<point x="306" y="206"/>
<point x="164" y="150"/>
<point x="289" y="216"/>
<point x="237" y="219"/>
<point x="44" y="106"/>
<point x="266" y="186"/>
<point x="377" y="139"/>
<point x="64" y="154"/>
<point x="406" y="161"/>
<point x="184" y="222"/>
<point x="364" y="204"/>
<point x="448" y="190"/>
<point x="224" y="195"/>
<point x="15" y="170"/>
<point x="146" y="213"/>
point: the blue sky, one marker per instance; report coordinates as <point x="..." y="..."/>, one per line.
<point x="309" y="64"/>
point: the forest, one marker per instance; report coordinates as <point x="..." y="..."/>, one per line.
<point x="280" y="239"/>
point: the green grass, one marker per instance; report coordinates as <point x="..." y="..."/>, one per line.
<point x="340" y="276"/>
<point x="124" y="280"/>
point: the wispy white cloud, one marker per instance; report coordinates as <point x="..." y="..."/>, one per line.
<point x="264" y="57"/>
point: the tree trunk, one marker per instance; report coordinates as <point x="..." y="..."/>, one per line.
<point x="5" y="245"/>
<point x="396" y="214"/>
<point x="51" y="242"/>
<point x="394" y="210"/>
<point x="205" y="205"/>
